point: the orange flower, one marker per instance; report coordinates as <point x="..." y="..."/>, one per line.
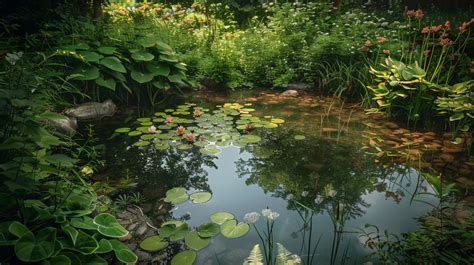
<point x="425" y="30"/>
<point x="364" y="49"/>
<point x="249" y="127"/>
<point x="447" y="25"/>
<point x="180" y="130"/>
<point x="190" y="137"/>
<point x="445" y="41"/>
<point x="419" y="14"/>
<point x="436" y="28"/>
<point x="169" y="119"/>
<point x="410" y="13"/>
<point x="381" y="39"/>
<point x="197" y="113"/>
<point x="368" y="43"/>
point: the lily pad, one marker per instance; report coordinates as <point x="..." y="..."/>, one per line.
<point x="277" y="121"/>
<point x="122" y="130"/>
<point x="300" y="137"/>
<point x="134" y="133"/>
<point x="209" y="150"/>
<point x="176" y="195"/>
<point x="186" y="257"/>
<point x="232" y="229"/>
<point x="221" y="217"/>
<point x="208" y="230"/>
<point x="250" y="138"/>
<point x="174" y="232"/>
<point x="141" y="143"/>
<point x="153" y="243"/>
<point x="200" y="197"/>
<point x="195" y="242"/>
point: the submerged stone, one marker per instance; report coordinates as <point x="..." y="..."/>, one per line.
<point x="92" y="110"/>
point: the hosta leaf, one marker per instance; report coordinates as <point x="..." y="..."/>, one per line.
<point x="107" y="50"/>
<point x="141" y="77"/>
<point x="142" y="56"/>
<point x="35" y="247"/>
<point x="113" y="63"/>
<point x="90" y="56"/>
<point x="158" y="69"/>
<point x="108" y="83"/>
<point x="86" y="73"/>
<point x="108" y="226"/>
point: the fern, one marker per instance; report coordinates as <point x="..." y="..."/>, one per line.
<point x="255" y="257"/>
<point x="285" y="257"/>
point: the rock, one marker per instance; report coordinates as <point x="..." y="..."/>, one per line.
<point x="392" y="125"/>
<point x="66" y="125"/>
<point x="132" y="246"/>
<point x="298" y="86"/>
<point x="468" y="183"/>
<point x="132" y="227"/>
<point x="141" y="229"/>
<point x="290" y="93"/>
<point x="142" y="255"/>
<point x="92" y="110"/>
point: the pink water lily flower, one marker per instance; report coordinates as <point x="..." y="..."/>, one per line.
<point x="152" y="129"/>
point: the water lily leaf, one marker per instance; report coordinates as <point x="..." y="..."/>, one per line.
<point x="135" y="133"/>
<point x="162" y="146"/>
<point x="107" y="83"/>
<point x="210" y="150"/>
<point x="200" y="197"/>
<point x="153" y="243"/>
<point x="142" y="56"/>
<point x="35" y="247"/>
<point x="86" y="73"/>
<point x="208" y="230"/>
<point x="141" y="143"/>
<point x="250" y="138"/>
<point x="90" y="56"/>
<point x="108" y="226"/>
<point x="270" y="125"/>
<point x="195" y="242"/>
<point x="176" y="195"/>
<point x="186" y="257"/>
<point x="106" y="50"/>
<point x="300" y="137"/>
<point x="122" y="130"/>
<point x="184" y="146"/>
<point x="221" y="217"/>
<point x="231" y="229"/>
<point x="173" y="222"/>
<point x="141" y="77"/>
<point x="174" y="232"/>
<point x="113" y="63"/>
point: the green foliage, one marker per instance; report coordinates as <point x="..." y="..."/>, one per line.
<point x="458" y="104"/>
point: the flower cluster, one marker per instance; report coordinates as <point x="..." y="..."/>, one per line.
<point x="268" y="214"/>
<point x="418" y="14"/>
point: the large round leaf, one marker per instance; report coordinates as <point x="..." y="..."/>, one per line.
<point x="158" y="69"/>
<point x="113" y="63"/>
<point x="200" y="197"/>
<point x="186" y="257"/>
<point x="86" y="73"/>
<point x="231" y="229"/>
<point x="153" y="243"/>
<point x="141" y="77"/>
<point x="174" y="232"/>
<point x="85" y="244"/>
<point x="176" y="195"/>
<point x="122" y="252"/>
<point x="142" y="56"/>
<point x="195" y="242"/>
<point x="90" y="56"/>
<point x="35" y="247"/>
<point x="208" y="230"/>
<point x="221" y="217"/>
<point x="107" y="50"/>
<point x="108" y="226"/>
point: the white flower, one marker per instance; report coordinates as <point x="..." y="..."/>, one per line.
<point x="251" y="217"/>
<point x="296" y="259"/>
<point x="304" y="193"/>
<point x="319" y="199"/>
<point x="152" y="129"/>
<point x="266" y="212"/>
<point x="332" y="193"/>
<point x="290" y="196"/>
<point x="273" y="216"/>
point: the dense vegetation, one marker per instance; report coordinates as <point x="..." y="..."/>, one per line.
<point x="404" y="62"/>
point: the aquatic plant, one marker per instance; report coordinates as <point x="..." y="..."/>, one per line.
<point x="267" y="237"/>
<point x="283" y="257"/>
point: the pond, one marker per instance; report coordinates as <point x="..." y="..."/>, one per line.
<point x="316" y="157"/>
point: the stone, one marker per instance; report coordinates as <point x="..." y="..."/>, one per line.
<point x="66" y="125"/>
<point x="141" y="230"/>
<point x="290" y="93"/>
<point x="298" y="86"/>
<point x="391" y="125"/>
<point x="468" y="183"/>
<point x="142" y="255"/>
<point x="132" y="227"/>
<point x="92" y="110"/>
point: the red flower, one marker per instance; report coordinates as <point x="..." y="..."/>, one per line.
<point x="445" y="41"/>
<point x="425" y="30"/>
<point x="381" y="39"/>
<point x="410" y="13"/>
<point x="190" y="137"/>
<point x="180" y="130"/>
<point x="249" y="127"/>
<point x="436" y="28"/>
<point x="419" y="14"/>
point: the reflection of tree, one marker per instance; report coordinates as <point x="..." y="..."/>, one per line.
<point x="285" y="166"/>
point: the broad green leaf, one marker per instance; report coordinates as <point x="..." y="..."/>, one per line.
<point x="141" y="77"/>
<point x="158" y="69"/>
<point x="208" y="230"/>
<point x="122" y="252"/>
<point x="36" y="247"/>
<point x="18" y="229"/>
<point x="200" y="197"/>
<point x="108" y="83"/>
<point x="113" y="63"/>
<point x="108" y="226"/>
<point x="176" y="195"/>
<point x="85" y="243"/>
<point x="71" y="232"/>
<point x="221" y="217"/>
<point x="231" y="229"/>
<point x="195" y="242"/>
<point x="186" y="257"/>
<point x="142" y="56"/>
<point x="153" y="243"/>
<point x="90" y="56"/>
<point x="86" y="73"/>
<point x="107" y="50"/>
<point x="104" y="246"/>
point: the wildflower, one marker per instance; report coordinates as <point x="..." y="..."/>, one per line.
<point x="87" y="171"/>
<point x="419" y="14"/>
<point x="190" y="137"/>
<point x="436" y="28"/>
<point x="447" y="25"/>
<point x="251" y="217"/>
<point x="290" y="196"/>
<point x="387" y="52"/>
<point x="445" y="41"/>
<point x="410" y="13"/>
<point x="368" y="43"/>
<point x="169" y="119"/>
<point x="266" y="212"/>
<point x="332" y="193"/>
<point x="319" y="199"/>
<point x="425" y="30"/>
<point x="180" y="130"/>
<point x="304" y="193"/>
<point x="381" y="39"/>
<point x="152" y="129"/>
<point x="273" y="216"/>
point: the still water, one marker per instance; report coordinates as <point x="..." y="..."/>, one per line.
<point x="277" y="172"/>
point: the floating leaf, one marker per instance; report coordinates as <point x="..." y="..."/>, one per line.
<point x="141" y="143"/>
<point x="221" y="217"/>
<point x="195" y="242"/>
<point x="300" y="137"/>
<point x="209" y="150"/>
<point x="153" y="243"/>
<point x="277" y="121"/>
<point x="208" y="230"/>
<point x="231" y="229"/>
<point x="134" y="133"/>
<point x="176" y="195"/>
<point x="174" y="232"/>
<point x="200" y="197"/>
<point x="250" y="138"/>
<point x="186" y="257"/>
